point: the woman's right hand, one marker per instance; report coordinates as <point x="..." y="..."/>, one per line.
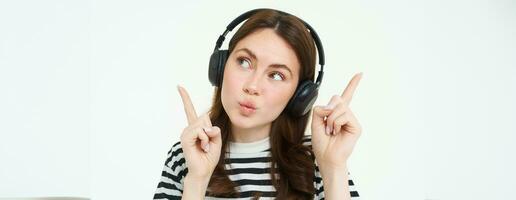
<point x="201" y="142"/>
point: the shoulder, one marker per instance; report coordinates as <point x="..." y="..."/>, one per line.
<point x="175" y="157"/>
<point x="175" y="165"/>
<point x="176" y="147"/>
<point x="172" y="176"/>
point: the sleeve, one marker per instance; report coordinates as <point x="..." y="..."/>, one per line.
<point x="352" y="188"/>
<point x="170" y="185"/>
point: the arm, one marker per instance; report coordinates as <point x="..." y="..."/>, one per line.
<point x="195" y="188"/>
<point x="335" y="183"/>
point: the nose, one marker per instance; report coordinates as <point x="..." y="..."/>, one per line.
<point x="251" y="86"/>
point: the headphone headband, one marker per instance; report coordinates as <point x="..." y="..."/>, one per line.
<point x="248" y="14"/>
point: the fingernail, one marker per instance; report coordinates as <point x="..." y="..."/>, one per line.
<point x="327" y="130"/>
<point x="207" y="129"/>
<point x="206" y="147"/>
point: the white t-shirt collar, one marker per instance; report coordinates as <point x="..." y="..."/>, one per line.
<point x="250" y="147"/>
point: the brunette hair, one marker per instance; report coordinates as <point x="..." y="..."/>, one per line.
<point x="290" y="159"/>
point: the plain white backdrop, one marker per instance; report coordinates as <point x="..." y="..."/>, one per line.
<point x="89" y="105"/>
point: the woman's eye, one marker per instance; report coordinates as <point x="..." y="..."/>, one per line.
<point x="244" y="63"/>
<point x="277" y="76"/>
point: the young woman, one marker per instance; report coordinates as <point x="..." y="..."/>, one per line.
<point x="266" y="152"/>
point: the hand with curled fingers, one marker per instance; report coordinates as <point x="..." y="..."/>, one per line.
<point x="201" y="142"/>
<point x="335" y="129"/>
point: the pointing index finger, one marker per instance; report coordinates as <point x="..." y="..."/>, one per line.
<point x="347" y="95"/>
<point x="191" y="115"/>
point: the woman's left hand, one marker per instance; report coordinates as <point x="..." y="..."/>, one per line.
<point x="335" y="129"/>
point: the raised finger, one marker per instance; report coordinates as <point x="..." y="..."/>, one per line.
<point x="334" y="101"/>
<point x="206" y="120"/>
<point x="347" y="95"/>
<point x="191" y="115"/>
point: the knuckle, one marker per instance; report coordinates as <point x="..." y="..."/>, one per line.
<point x="216" y="128"/>
<point x="185" y="131"/>
<point x="359" y="128"/>
<point x="185" y="134"/>
<point x="203" y="137"/>
<point x="339" y="120"/>
<point x="341" y="108"/>
<point x="196" y="129"/>
<point x="337" y="99"/>
<point x="345" y="107"/>
<point x="200" y="130"/>
<point x="331" y="119"/>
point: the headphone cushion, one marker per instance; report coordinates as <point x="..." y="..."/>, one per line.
<point x="216" y="67"/>
<point x="303" y="99"/>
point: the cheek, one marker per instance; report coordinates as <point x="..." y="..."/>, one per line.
<point x="231" y="81"/>
<point x="279" y="95"/>
<point x="230" y="85"/>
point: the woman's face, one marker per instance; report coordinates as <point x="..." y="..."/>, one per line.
<point x="260" y="76"/>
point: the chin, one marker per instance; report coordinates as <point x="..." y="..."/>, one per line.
<point x="242" y="121"/>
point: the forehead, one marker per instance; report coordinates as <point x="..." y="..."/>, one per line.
<point x="270" y="48"/>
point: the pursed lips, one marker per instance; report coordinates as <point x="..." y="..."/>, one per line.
<point x="247" y="104"/>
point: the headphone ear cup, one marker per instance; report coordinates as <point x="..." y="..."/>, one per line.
<point x="223" y="57"/>
<point x="303" y="99"/>
<point x="216" y="67"/>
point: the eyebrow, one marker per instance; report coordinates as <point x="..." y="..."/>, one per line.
<point x="281" y="66"/>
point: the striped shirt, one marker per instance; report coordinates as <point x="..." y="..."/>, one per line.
<point x="249" y="164"/>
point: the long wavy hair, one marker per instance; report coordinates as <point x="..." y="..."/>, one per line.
<point x="294" y="162"/>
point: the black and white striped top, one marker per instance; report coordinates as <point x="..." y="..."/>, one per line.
<point x="249" y="164"/>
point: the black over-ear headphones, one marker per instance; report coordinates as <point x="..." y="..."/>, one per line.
<point x="306" y="92"/>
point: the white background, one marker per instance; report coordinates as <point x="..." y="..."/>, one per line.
<point x="89" y="105"/>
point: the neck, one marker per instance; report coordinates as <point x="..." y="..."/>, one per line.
<point x="246" y="135"/>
